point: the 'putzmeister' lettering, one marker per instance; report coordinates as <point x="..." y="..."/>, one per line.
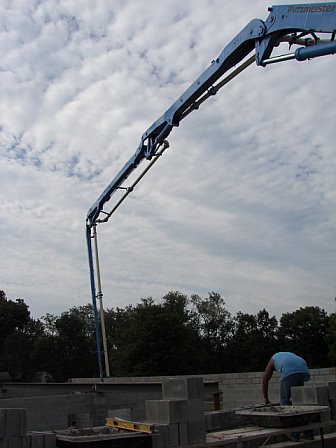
<point x="312" y="8"/>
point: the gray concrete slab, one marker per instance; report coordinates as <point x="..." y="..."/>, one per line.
<point x="182" y="388"/>
<point x="310" y="395"/>
<point x="166" y="411"/>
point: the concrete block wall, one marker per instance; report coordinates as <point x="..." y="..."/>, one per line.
<point x="13" y="431"/>
<point x="236" y="389"/>
<point x="244" y="389"/>
<point x="51" y="412"/>
<point x="13" y="423"/>
<point x="180" y="413"/>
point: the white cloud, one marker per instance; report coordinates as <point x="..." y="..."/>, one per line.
<point x="243" y="201"/>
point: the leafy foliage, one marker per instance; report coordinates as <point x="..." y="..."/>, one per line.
<point x="305" y="332"/>
<point x="175" y="335"/>
<point x="158" y="338"/>
<point x="331" y="339"/>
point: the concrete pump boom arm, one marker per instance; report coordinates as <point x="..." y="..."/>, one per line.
<point x="294" y="24"/>
<point x="285" y="23"/>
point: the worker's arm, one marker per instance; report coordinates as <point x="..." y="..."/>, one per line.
<point x="267" y="376"/>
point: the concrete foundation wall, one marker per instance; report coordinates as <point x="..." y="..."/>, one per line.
<point x="86" y="409"/>
<point x="52" y="412"/>
<point x="44" y="413"/>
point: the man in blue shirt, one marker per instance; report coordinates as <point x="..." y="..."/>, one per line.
<point x="293" y="371"/>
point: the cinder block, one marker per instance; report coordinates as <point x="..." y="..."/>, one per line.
<point x="213" y="421"/>
<point x="310" y="395"/>
<point x="183" y="434"/>
<point x="2" y="425"/>
<point x="333" y="408"/>
<point x="196" y="432"/>
<point x="297" y="396"/>
<point x="49" y="439"/>
<point x="13" y="422"/>
<point x="325" y="416"/>
<point x="166" y="411"/>
<point x="332" y="390"/>
<point x="174" y="434"/>
<point x="161" y="437"/>
<point x="99" y="417"/>
<point x="182" y="388"/>
<point x="15" y="442"/>
<point x="41" y="439"/>
<point x="36" y="440"/>
<point x="195" y="409"/>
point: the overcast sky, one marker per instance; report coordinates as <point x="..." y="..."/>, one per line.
<point x="242" y="203"/>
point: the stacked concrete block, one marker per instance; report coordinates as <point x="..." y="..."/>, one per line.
<point x="182" y="388"/>
<point x="13" y="428"/>
<point x="181" y="410"/>
<point x="41" y="439"/>
<point x="332" y="398"/>
<point x="14" y="442"/>
<point x="171" y="415"/>
<point x="310" y="395"/>
<point x="170" y="435"/>
<point x="220" y="420"/>
<point x="166" y="411"/>
<point x="213" y="421"/>
<point x="160" y="439"/>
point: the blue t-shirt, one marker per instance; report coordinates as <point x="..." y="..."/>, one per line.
<point x="286" y="363"/>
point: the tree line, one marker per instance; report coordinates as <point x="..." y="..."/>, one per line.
<point x="173" y="336"/>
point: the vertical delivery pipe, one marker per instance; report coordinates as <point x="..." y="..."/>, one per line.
<point x="94" y="303"/>
<point x="100" y="298"/>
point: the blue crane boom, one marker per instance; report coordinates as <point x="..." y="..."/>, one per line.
<point x="292" y="21"/>
<point x="298" y="24"/>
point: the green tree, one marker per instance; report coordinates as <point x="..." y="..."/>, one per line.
<point x="214" y="325"/>
<point x="214" y="320"/>
<point x="154" y="338"/>
<point x="304" y="332"/>
<point x="14" y="317"/>
<point x="70" y="339"/>
<point x="239" y="353"/>
<point x="266" y="339"/>
<point x="253" y="342"/>
<point x="331" y="339"/>
<point x="21" y="351"/>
